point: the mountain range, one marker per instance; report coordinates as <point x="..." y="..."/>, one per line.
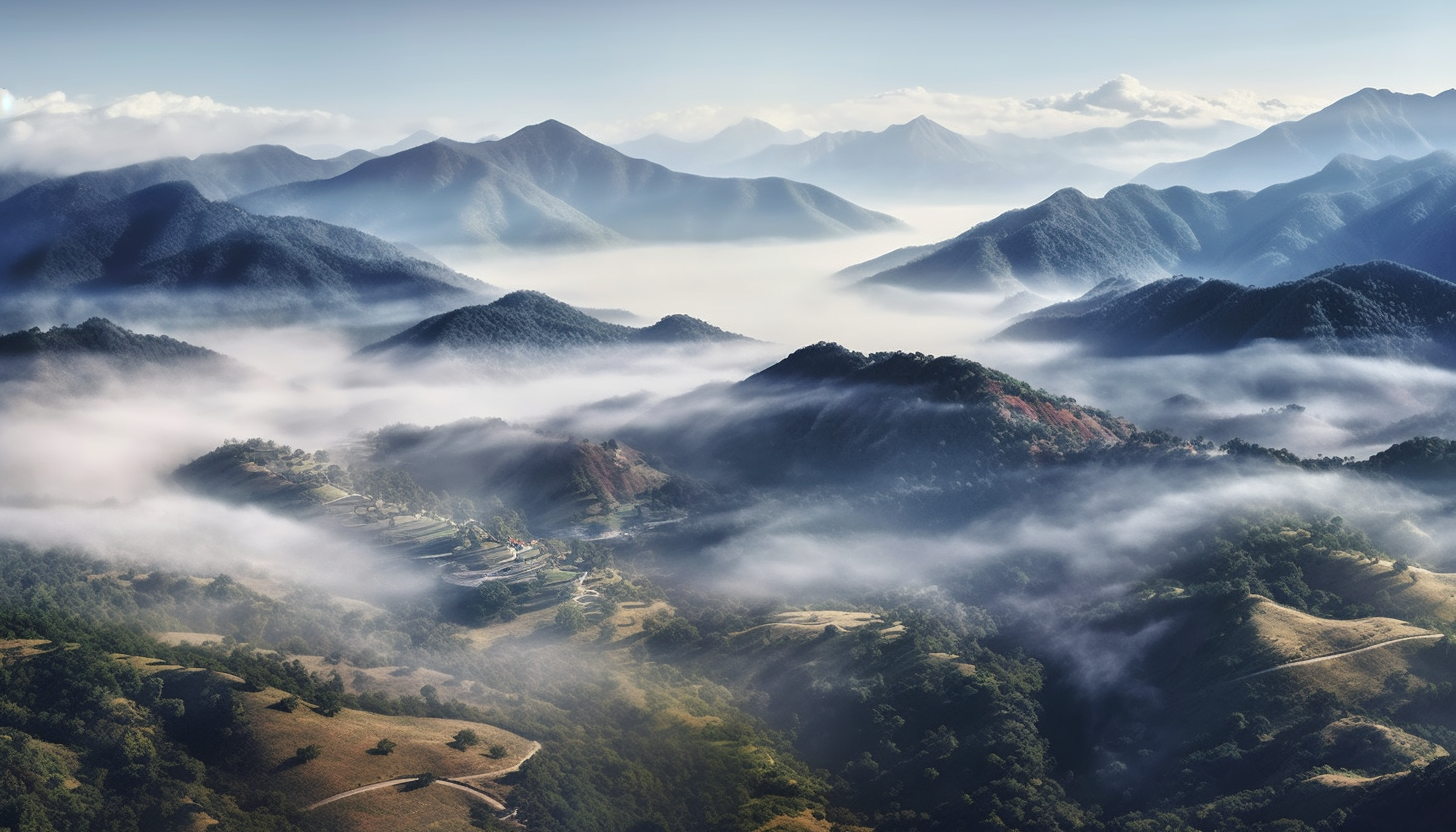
<point x="708" y="156"/>
<point x="549" y="186"/>
<point x="1373" y="123"/>
<point x="530" y="322"/>
<point x="1377" y="308"/>
<point x="924" y="159"/>
<point x="217" y="176"/>
<point x="1353" y="210"/>
<point x="63" y="238"/>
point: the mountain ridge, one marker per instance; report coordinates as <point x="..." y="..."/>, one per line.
<point x="1352" y="210"/>
<point x="548" y="185"/>
<point x="526" y="320"/>
<point x="1376" y="308"/>
<point x="168" y="238"/>
<point x="1370" y="122"/>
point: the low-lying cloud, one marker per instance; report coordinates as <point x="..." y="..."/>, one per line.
<point x="55" y="134"/>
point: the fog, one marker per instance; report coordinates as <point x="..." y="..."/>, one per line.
<point x="90" y="464"/>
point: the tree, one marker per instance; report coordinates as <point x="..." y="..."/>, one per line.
<point x="496" y="752"/>
<point x="465" y="738"/>
<point x="490" y="599"/>
<point x="289" y="703"/>
<point x="309" y="752"/>
<point x="569" y="617"/>
<point x="385" y="746"/>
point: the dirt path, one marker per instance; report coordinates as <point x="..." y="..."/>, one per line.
<point x="398" y="781"/>
<point x="461" y="783"/>
<point x="1330" y="656"/>
<point x="491" y="775"/>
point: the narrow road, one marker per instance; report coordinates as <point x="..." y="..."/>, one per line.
<point x="491" y="775"/>
<point x="1330" y="656"/>
<point x="461" y="783"/>
<point x="398" y="781"/>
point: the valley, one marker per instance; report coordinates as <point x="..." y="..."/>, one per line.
<point x="1051" y="460"/>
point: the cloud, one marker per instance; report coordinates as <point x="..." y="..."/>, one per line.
<point x="1126" y="97"/>
<point x="1112" y="104"/>
<point x="52" y="133"/>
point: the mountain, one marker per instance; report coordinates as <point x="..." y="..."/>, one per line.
<point x="904" y="424"/>
<point x="168" y="241"/>
<point x="922" y="158"/>
<point x="1353" y="210"/>
<point x="1371" y="123"/>
<point x="99" y="337"/>
<point x="526" y="321"/>
<point x="413" y="140"/>
<point x="733" y="142"/>
<point x="217" y="176"/>
<point x="556" y="481"/>
<point x="13" y="182"/>
<point x="1131" y="147"/>
<point x="1377" y="308"/>
<point x="549" y="186"/>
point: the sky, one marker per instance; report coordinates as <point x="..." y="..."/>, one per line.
<point x="362" y="72"/>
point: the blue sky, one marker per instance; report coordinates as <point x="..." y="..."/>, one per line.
<point x="623" y="68"/>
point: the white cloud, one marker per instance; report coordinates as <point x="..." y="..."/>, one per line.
<point x="1125" y="96"/>
<point x="1112" y="104"/>
<point x="52" y="133"/>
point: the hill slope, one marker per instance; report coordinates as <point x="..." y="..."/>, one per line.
<point x="828" y="417"/>
<point x="1377" y="308"/>
<point x="528" y="321"/>
<point x="99" y="337"/>
<point x="1372" y="123"/>
<point x="169" y="239"/>
<point x="548" y="185"/>
<point x="1352" y="210"/>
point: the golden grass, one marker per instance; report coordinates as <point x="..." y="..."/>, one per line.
<point x="176" y="639"/>
<point x="1414" y="593"/>
<point x="965" y="668"/>
<point x="20" y="648"/>
<point x="396" y="681"/>
<point x="437" y="808"/>
<point x="1356" y="678"/>
<point x="629" y="617"/>
<point x="1359" y="744"/>
<point x="1292" y="635"/>
<point x="803" y="625"/>
<point x="843" y="619"/>
<point x="802" y="822"/>
<point x="421" y="746"/>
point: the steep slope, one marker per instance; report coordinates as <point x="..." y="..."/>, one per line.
<point x="828" y="417"/>
<point x="1372" y="123"/>
<point x="921" y="157"/>
<point x="528" y="322"/>
<point x="1352" y="210"/>
<point x="548" y="185"/>
<point x="1377" y="308"/>
<point x="169" y="239"/>
<point x="13" y="182"/>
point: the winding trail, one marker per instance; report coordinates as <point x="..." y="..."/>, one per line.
<point x="461" y="783"/>
<point x="1330" y="656"/>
